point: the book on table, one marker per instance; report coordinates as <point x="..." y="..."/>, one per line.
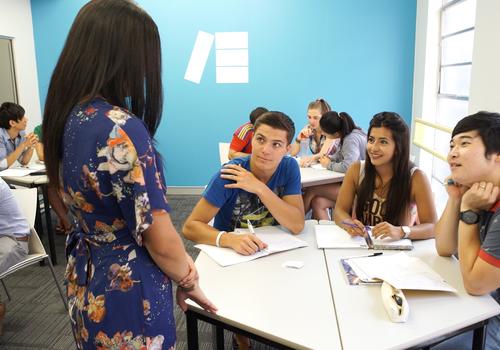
<point x="329" y="235"/>
<point x="399" y="270"/>
<point x="277" y="239"/>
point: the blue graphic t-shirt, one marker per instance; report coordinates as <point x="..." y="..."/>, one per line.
<point x="236" y="206"/>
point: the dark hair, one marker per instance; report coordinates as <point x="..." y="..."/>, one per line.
<point x="333" y="122"/>
<point x="112" y="50"/>
<point x="10" y="111"/>
<point x="257" y="112"/>
<point x="487" y="125"/>
<point x="320" y="104"/>
<point x="399" y="194"/>
<point x="277" y="120"/>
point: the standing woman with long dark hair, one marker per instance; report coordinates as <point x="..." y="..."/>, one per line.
<point x="387" y="191"/>
<point x="104" y="102"/>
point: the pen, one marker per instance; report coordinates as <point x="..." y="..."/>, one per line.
<point x="348" y="223"/>
<point x="250" y="227"/>
<point x="365" y="256"/>
<point x="252" y="231"/>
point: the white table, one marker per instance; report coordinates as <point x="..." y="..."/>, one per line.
<point x="433" y="315"/>
<point x="313" y="177"/>
<point x="281" y="306"/>
<point x="293" y="308"/>
<point x="38" y="181"/>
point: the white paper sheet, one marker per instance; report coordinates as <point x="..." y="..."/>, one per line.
<point x="199" y="57"/>
<point x="231" y="75"/>
<point x="333" y="236"/>
<point x="402" y="272"/>
<point x="276" y="239"/>
<point x="22" y="170"/>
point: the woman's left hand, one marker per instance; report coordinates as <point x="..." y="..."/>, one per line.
<point x="386" y="230"/>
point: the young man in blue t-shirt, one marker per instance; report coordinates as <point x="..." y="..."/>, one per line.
<point x="263" y="188"/>
<point x="470" y="223"/>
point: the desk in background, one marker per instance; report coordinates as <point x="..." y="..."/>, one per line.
<point x="38" y="181"/>
<point x="313" y="177"/>
<point x="294" y="308"/>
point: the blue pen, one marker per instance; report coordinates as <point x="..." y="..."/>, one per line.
<point x="350" y="224"/>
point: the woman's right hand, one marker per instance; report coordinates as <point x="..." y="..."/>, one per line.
<point x="305" y="132"/>
<point x="196" y="295"/>
<point x="454" y="189"/>
<point x="356" y="229"/>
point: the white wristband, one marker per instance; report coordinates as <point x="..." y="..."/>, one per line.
<point x="217" y="240"/>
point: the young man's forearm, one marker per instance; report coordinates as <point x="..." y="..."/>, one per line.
<point x="27" y="156"/>
<point x="200" y="232"/>
<point x="447" y="229"/>
<point x="286" y="214"/>
<point x="12" y="157"/>
<point x="468" y="253"/>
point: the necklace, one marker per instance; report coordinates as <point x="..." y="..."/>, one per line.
<point x="382" y="187"/>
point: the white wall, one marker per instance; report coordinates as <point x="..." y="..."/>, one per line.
<point x="16" y="23"/>
<point x="485" y="75"/>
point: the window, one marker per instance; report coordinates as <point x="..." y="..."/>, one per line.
<point x="8" y="90"/>
<point x="433" y="131"/>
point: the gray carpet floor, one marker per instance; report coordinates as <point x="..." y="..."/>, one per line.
<point x="36" y="318"/>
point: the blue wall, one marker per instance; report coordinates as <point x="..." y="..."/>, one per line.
<point x="356" y="54"/>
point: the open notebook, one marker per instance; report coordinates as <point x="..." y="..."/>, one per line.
<point x="276" y="238"/>
<point x="329" y="235"/>
<point x="399" y="270"/>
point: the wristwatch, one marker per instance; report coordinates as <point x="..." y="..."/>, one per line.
<point x="469" y="217"/>
<point x="406" y="231"/>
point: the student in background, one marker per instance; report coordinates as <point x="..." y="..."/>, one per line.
<point x="352" y="147"/>
<point x="103" y="104"/>
<point x="39" y="146"/>
<point x="241" y="144"/>
<point x="14" y="235"/>
<point x="386" y="191"/>
<point x="14" y="143"/>
<point x="470" y="223"/>
<point x="318" y="144"/>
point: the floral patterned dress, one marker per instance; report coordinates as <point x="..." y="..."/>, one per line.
<point x="113" y="181"/>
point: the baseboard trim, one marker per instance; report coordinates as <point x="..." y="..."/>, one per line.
<point x="187" y="190"/>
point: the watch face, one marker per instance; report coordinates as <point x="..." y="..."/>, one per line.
<point x="469" y="217"/>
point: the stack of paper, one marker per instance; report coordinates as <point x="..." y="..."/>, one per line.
<point x="277" y="241"/>
<point x="22" y="170"/>
<point x="401" y="271"/>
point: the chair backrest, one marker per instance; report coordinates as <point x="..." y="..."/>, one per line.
<point x="223" y="152"/>
<point x="26" y="199"/>
<point x="35" y="245"/>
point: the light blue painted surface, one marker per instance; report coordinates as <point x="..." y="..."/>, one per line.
<point x="356" y="54"/>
